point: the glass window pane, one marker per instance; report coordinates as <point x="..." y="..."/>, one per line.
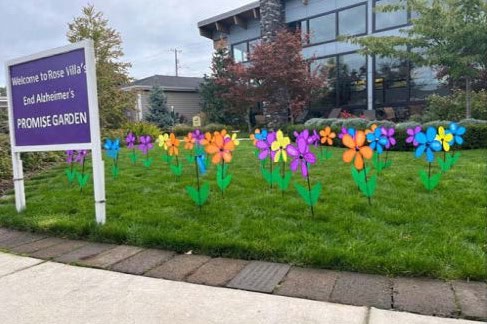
<point x="322" y="29"/>
<point x="385" y="20"/>
<point x="352" y="79"/>
<point x="240" y="52"/>
<point x="391" y="80"/>
<point x="353" y="21"/>
<point x="328" y="98"/>
<point x="424" y="82"/>
<point x="252" y="44"/>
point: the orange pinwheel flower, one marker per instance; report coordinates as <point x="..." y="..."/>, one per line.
<point x="252" y="136"/>
<point x="327" y="136"/>
<point x="371" y="129"/>
<point x="207" y="140"/>
<point x="220" y="149"/>
<point x="190" y="141"/>
<point x="356" y="150"/>
<point x="173" y="145"/>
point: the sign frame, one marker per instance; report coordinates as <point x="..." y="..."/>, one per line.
<point x="94" y="124"/>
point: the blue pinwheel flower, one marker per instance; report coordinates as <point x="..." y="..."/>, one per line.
<point x="457" y="131"/>
<point x="200" y="160"/>
<point x="428" y="144"/>
<point x="377" y="140"/>
<point x="262" y="136"/>
<point x="112" y="147"/>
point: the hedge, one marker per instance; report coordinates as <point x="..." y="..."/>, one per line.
<point x="474" y="138"/>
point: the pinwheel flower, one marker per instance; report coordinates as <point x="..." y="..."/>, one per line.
<point x="69" y="156"/>
<point x="173" y="145"/>
<point x="262" y="136"/>
<point x="145" y="144"/>
<point x="388" y="133"/>
<point x="412" y="134"/>
<point x="304" y="134"/>
<point x="80" y="156"/>
<point x="220" y="149"/>
<point x="327" y="136"/>
<point x="112" y="147"/>
<point x="233" y="139"/>
<point x="357" y="151"/>
<point x="457" y="131"/>
<point x="445" y="138"/>
<point x="279" y="147"/>
<point x="377" y="140"/>
<point x="207" y="140"/>
<point x="252" y="136"/>
<point x="371" y="129"/>
<point x="301" y="155"/>
<point x="265" y="146"/>
<point x="427" y="143"/>
<point x="314" y="139"/>
<point x="130" y="140"/>
<point x="189" y="141"/>
<point x="346" y="131"/>
<point x="198" y="136"/>
<point x="162" y="139"/>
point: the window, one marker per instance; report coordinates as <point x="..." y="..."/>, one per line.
<point x="385" y="20"/>
<point x="329" y="98"/>
<point x="252" y="44"/>
<point x="322" y="29"/>
<point x="240" y="52"/>
<point x="391" y="80"/>
<point x="352" y="79"/>
<point x="353" y="21"/>
<point x="424" y="82"/>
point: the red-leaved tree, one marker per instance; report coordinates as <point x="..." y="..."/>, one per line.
<point x="286" y="84"/>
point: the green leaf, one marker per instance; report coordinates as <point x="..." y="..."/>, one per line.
<point x="223" y="183"/>
<point x="177" y="170"/>
<point x="429" y="183"/>
<point x="82" y="179"/>
<point x="328" y="154"/>
<point x="455" y="158"/>
<point x="115" y="171"/>
<point x="256" y="152"/>
<point x="133" y="157"/>
<point x="304" y="193"/>
<point x="167" y="158"/>
<point x="315" y="193"/>
<point x="201" y="196"/>
<point x="267" y="175"/>
<point x="148" y="162"/>
<point x="220" y="168"/>
<point x="70" y="174"/>
<point x="284" y="182"/>
<point x="445" y="165"/>
<point x="359" y="176"/>
<point x="190" y="158"/>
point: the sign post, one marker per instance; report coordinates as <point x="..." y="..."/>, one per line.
<point x="53" y="106"/>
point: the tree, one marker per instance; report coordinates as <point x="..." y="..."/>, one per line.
<point x="3" y="91"/>
<point x="213" y="103"/>
<point x="448" y="34"/>
<point x="111" y="73"/>
<point x="284" y="79"/>
<point x="158" y="112"/>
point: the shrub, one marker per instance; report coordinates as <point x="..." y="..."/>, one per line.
<point x="436" y="124"/>
<point x="213" y="127"/>
<point x="113" y="133"/>
<point x="471" y="121"/>
<point x="319" y="123"/>
<point x="452" y="107"/>
<point x="357" y="123"/>
<point x="181" y="129"/>
<point x="142" y="128"/>
<point x="381" y="123"/>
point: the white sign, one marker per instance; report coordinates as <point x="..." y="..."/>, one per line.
<point x="53" y="106"/>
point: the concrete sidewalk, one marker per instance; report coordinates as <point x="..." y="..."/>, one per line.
<point x="37" y="291"/>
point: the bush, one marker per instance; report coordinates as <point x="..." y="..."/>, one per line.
<point x="216" y="127"/>
<point x="452" y="107"/>
<point x="437" y="124"/>
<point x="142" y="128"/>
<point x="381" y="123"/>
<point x="319" y="123"/>
<point x="357" y="123"/>
<point x="113" y="134"/>
<point x="181" y="129"/>
<point x="471" y="121"/>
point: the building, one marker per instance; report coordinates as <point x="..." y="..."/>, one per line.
<point x="3" y="102"/>
<point x="356" y="83"/>
<point x="182" y="95"/>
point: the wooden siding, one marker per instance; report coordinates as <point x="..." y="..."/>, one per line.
<point x="186" y="104"/>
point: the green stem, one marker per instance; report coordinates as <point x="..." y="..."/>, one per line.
<point x="366" y="184"/>
<point x="271" y="162"/>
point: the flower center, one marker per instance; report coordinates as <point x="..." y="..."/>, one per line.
<point x="221" y="150"/>
<point x="301" y="157"/>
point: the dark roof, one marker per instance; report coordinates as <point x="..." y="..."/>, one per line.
<point x="167" y="82"/>
<point x="229" y="14"/>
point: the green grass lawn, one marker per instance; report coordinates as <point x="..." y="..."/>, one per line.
<point x="406" y="231"/>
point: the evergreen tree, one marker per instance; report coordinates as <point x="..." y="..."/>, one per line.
<point x="158" y="113"/>
<point x="213" y="103"/>
<point x="111" y="73"/>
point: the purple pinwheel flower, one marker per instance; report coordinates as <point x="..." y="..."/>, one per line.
<point x="412" y="135"/>
<point x="388" y="133"/>
<point x="69" y="156"/>
<point x="198" y="136"/>
<point x="80" y="156"/>
<point x="346" y="131"/>
<point x="304" y="134"/>
<point x="314" y="139"/>
<point x="130" y="140"/>
<point x="265" y="146"/>
<point x="301" y="155"/>
<point x="145" y="144"/>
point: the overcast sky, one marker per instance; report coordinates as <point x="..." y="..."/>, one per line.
<point x="149" y="29"/>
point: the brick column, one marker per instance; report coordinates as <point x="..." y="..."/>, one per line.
<point x="272" y="18"/>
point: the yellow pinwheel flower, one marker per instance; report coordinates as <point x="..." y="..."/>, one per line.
<point x="233" y="139"/>
<point x="445" y="138"/>
<point x="279" y="146"/>
<point x="162" y="141"/>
